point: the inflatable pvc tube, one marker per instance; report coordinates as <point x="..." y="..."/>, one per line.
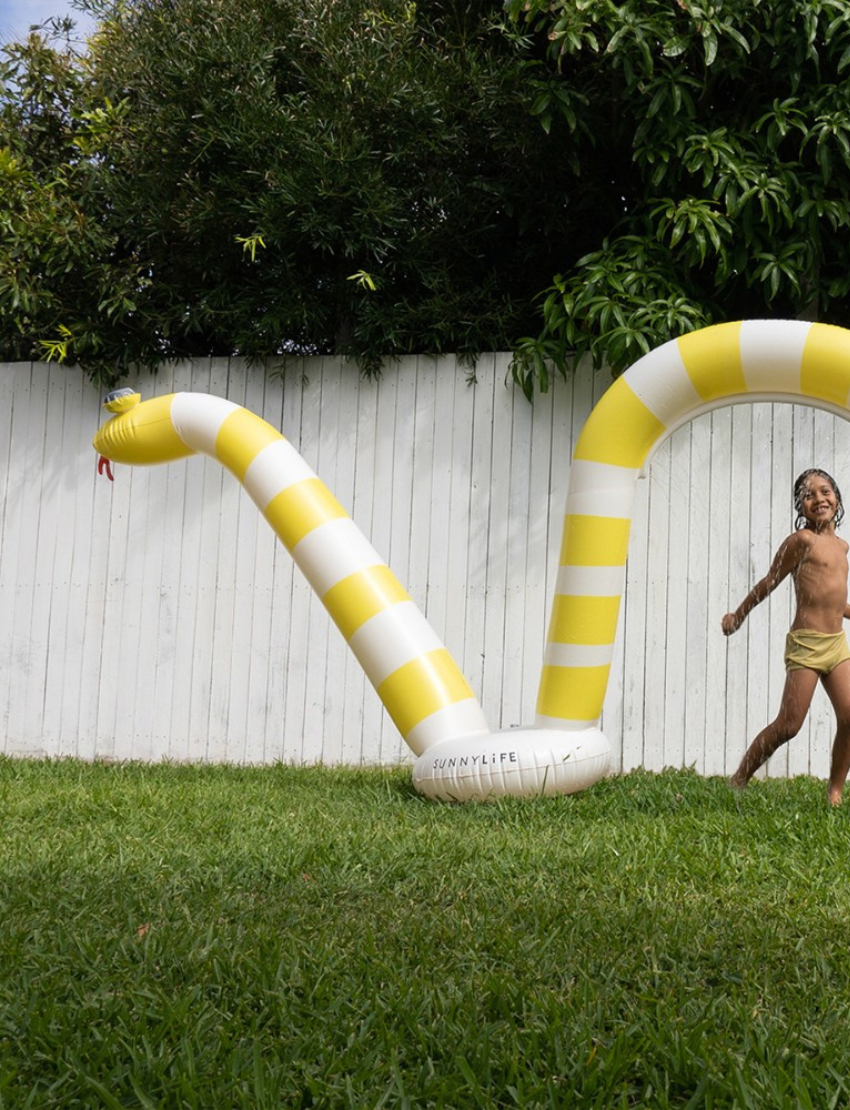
<point x="517" y="763"/>
<point x="755" y="360"/>
<point x="422" y="688"/>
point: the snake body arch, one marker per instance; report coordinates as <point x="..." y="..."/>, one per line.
<point x="421" y="686"/>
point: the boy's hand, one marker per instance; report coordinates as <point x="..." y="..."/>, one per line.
<point x="730" y="623"/>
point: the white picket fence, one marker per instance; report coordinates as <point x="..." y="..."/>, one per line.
<point x="158" y="618"/>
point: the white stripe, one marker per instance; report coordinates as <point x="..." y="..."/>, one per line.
<point x="391" y="638"/>
<point x="197" y="418"/>
<point x="464" y="718"/>
<point x="600" y="489"/>
<point x="590" y="581"/>
<point x="661" y="381"/>
<point x="568" y="723"/>
<point x="273" y="470"/>
<point x="772" y="354"/>
<point x="332" y="551"/>
<point x="578" y="655"/>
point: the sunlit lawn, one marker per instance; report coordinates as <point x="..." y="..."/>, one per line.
<point x="221" y="937"/>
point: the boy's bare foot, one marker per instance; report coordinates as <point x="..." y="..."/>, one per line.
<point x="834" y="795"/>
<point x="737" y="783"/>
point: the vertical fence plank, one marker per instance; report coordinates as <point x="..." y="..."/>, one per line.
<point x="496" y="577"/>
<point x="678" y="627"/>
<point x="756" y="665"/>
<point x="458" y="397"/>
<point x="476" y="646"/>
<point x="633" y="630"/>
<point x="69" y="473"/>
<point x="31" y="544"/>
<point x="519" y="580"/>
<point x="722" y="554"/>
<point x="768" y="632"/>
<point x="656" y="648"/>
<point x="546" y="496"/>
<point x="700" y="617"/>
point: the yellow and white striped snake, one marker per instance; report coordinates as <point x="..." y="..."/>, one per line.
<point x="421" y="686"/>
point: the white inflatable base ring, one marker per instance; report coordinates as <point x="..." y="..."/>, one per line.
<point x="522" y="763"/>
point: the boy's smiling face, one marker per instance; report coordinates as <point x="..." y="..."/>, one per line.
<point x="818" y="501"/>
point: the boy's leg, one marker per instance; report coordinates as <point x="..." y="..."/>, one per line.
<point x="837" y="686"/>
<point x="796" y="698"/>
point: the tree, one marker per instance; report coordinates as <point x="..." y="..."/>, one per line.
<point x="273" y="176"/>
<point x="715" y="142"/>
<point x="60" y="276"/>
<point x="260" y="177"/>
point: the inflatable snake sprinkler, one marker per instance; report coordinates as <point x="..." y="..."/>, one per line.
<point x="416" y="678"/>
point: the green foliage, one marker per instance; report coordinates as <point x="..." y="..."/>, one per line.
<point x="284" y="937"/>
<point x="260" y="177"/>
<point x="59" y="273"/>
<point x="271" y="177"/>
<point x="717" y="147"/>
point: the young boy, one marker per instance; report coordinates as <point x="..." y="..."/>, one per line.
<point x="816" y="646"/>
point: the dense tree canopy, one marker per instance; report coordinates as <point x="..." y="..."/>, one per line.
<point x="62" y="279"/>
<point x="716" y="140"/>
<point x="269" y="176"/>
<point x="305" y="176"/>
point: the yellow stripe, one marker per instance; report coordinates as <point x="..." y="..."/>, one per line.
<point x="573" y="693"/>
<point x="421" y="687"/>
<point x="620" y="430"/>
<point x="300" y="508"/>
<point x="594" y="541"/>
<point x="241" y="438"/>
<point x="360" y="596"/>
<point x="584" y="620"/>
<point x="712" y="357"/>
<point x="143" y="436"/>
<point x="825" y="371"/>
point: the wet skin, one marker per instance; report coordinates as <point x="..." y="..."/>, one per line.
<point x="816" y="559"/>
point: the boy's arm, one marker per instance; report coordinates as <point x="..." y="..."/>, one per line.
<point x="786" y="558"/>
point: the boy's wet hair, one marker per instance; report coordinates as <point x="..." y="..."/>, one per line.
<point x="799" y="486"/>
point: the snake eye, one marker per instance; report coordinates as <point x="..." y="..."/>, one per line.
<point x="121" y="400"/>
<point x="116" y="393"/>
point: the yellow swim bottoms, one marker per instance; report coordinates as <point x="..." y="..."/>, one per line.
<point x="815" y="651"/>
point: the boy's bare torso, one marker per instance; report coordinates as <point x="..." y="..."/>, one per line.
<point x="819" y="572"/>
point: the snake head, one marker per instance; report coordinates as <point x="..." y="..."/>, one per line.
<point x="121" y="400"/>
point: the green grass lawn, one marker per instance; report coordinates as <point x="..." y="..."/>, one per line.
<point x="222" y="937"/>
